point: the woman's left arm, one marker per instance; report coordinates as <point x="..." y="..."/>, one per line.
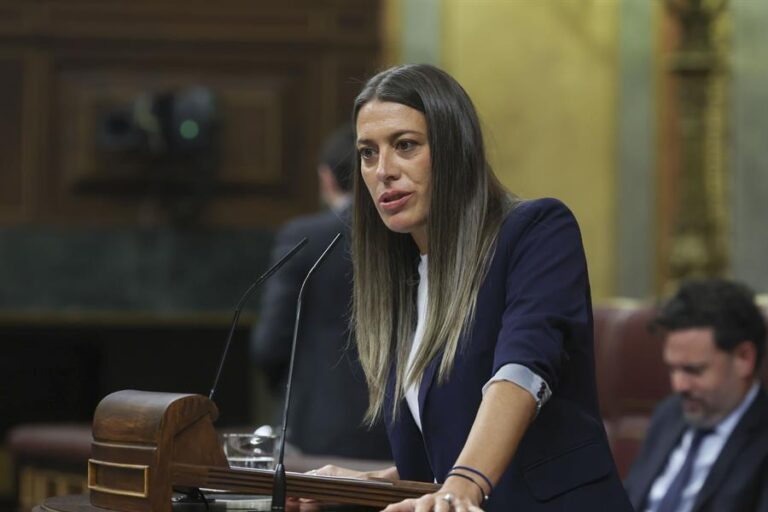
<point x="503" y="417"/>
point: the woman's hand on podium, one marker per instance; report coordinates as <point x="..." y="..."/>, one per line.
<point x="389" y="473"/>
<point x="453" y="496"/>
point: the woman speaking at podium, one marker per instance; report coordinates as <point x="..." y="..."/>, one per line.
<point x="472" y="314"/>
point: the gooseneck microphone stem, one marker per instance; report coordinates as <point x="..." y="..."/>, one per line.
<point x="266" y="275"/>
<point x="279" y="485"/>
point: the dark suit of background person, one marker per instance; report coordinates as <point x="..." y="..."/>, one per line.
<point x="738" y="482"/>
<point x="533" y="309"/>
<point x="329" y="395"/>
<point x="738" y="478"/>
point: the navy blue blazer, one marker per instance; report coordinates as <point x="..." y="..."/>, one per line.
<point x="534" y="309"/>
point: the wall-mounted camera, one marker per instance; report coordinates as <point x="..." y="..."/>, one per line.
<point x="171" y="124"/>
<point x="163" y="144"/>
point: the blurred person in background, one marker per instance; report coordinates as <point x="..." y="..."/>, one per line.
<point x="329" y="398"/>
<point x="707" y="445"/>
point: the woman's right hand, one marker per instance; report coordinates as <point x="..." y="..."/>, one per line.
<point x="389" y="473"/>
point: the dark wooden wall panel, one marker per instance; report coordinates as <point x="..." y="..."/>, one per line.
<point x="262" y="113"/>
<point x="284" y="74"/>
<point x="12" y="17"/>
<point x="11" y="105"/>
<point x="291" y="21"/>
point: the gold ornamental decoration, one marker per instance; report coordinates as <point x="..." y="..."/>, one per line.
<point x="698" y="246"/>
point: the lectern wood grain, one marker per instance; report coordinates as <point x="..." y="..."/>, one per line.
<point x="146" y="443"/>
<point x="137" y="435"/>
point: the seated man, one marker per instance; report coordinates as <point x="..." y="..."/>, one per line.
<point x="707" y="446"/>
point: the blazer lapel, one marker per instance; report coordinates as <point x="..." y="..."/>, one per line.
<point x="657" y="459"/>
<point x="426" y="383"/>
<point x="754" y="418"/>
<point x="389" y="394"/>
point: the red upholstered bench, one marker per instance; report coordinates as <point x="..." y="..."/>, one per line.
<point x="49" y="460"/>
<point x="631" y="376"/>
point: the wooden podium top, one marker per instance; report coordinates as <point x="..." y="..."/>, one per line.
<point x="224" y="503"/>
<point x="147" y="444"/>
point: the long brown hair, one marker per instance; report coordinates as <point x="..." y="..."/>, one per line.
<point x="460" y="240"/>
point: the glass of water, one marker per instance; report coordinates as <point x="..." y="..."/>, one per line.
<point x="250" y="450"/>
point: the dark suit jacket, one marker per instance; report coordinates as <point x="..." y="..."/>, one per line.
<point x="533" y="309"/>
<point x="329" y="395"/>
<point x="737" y="482"/>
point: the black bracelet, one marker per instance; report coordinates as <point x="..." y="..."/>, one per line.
<point x="483" y="496"/>
<point x="478" y="473"/>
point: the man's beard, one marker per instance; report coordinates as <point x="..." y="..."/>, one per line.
<point x="696" y="411"/>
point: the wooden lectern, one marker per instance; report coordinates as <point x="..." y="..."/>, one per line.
<point x="145" y="444"/>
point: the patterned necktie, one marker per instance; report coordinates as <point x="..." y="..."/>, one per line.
<point x="671" y="499"/>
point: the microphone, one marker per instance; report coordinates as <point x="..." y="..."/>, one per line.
<point x="279" y="485"/>
<point x="266" y="275"/>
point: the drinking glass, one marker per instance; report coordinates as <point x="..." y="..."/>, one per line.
<point x="250" y="450"/>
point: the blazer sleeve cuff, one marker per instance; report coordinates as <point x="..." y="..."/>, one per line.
<point x="526" y="379"/>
